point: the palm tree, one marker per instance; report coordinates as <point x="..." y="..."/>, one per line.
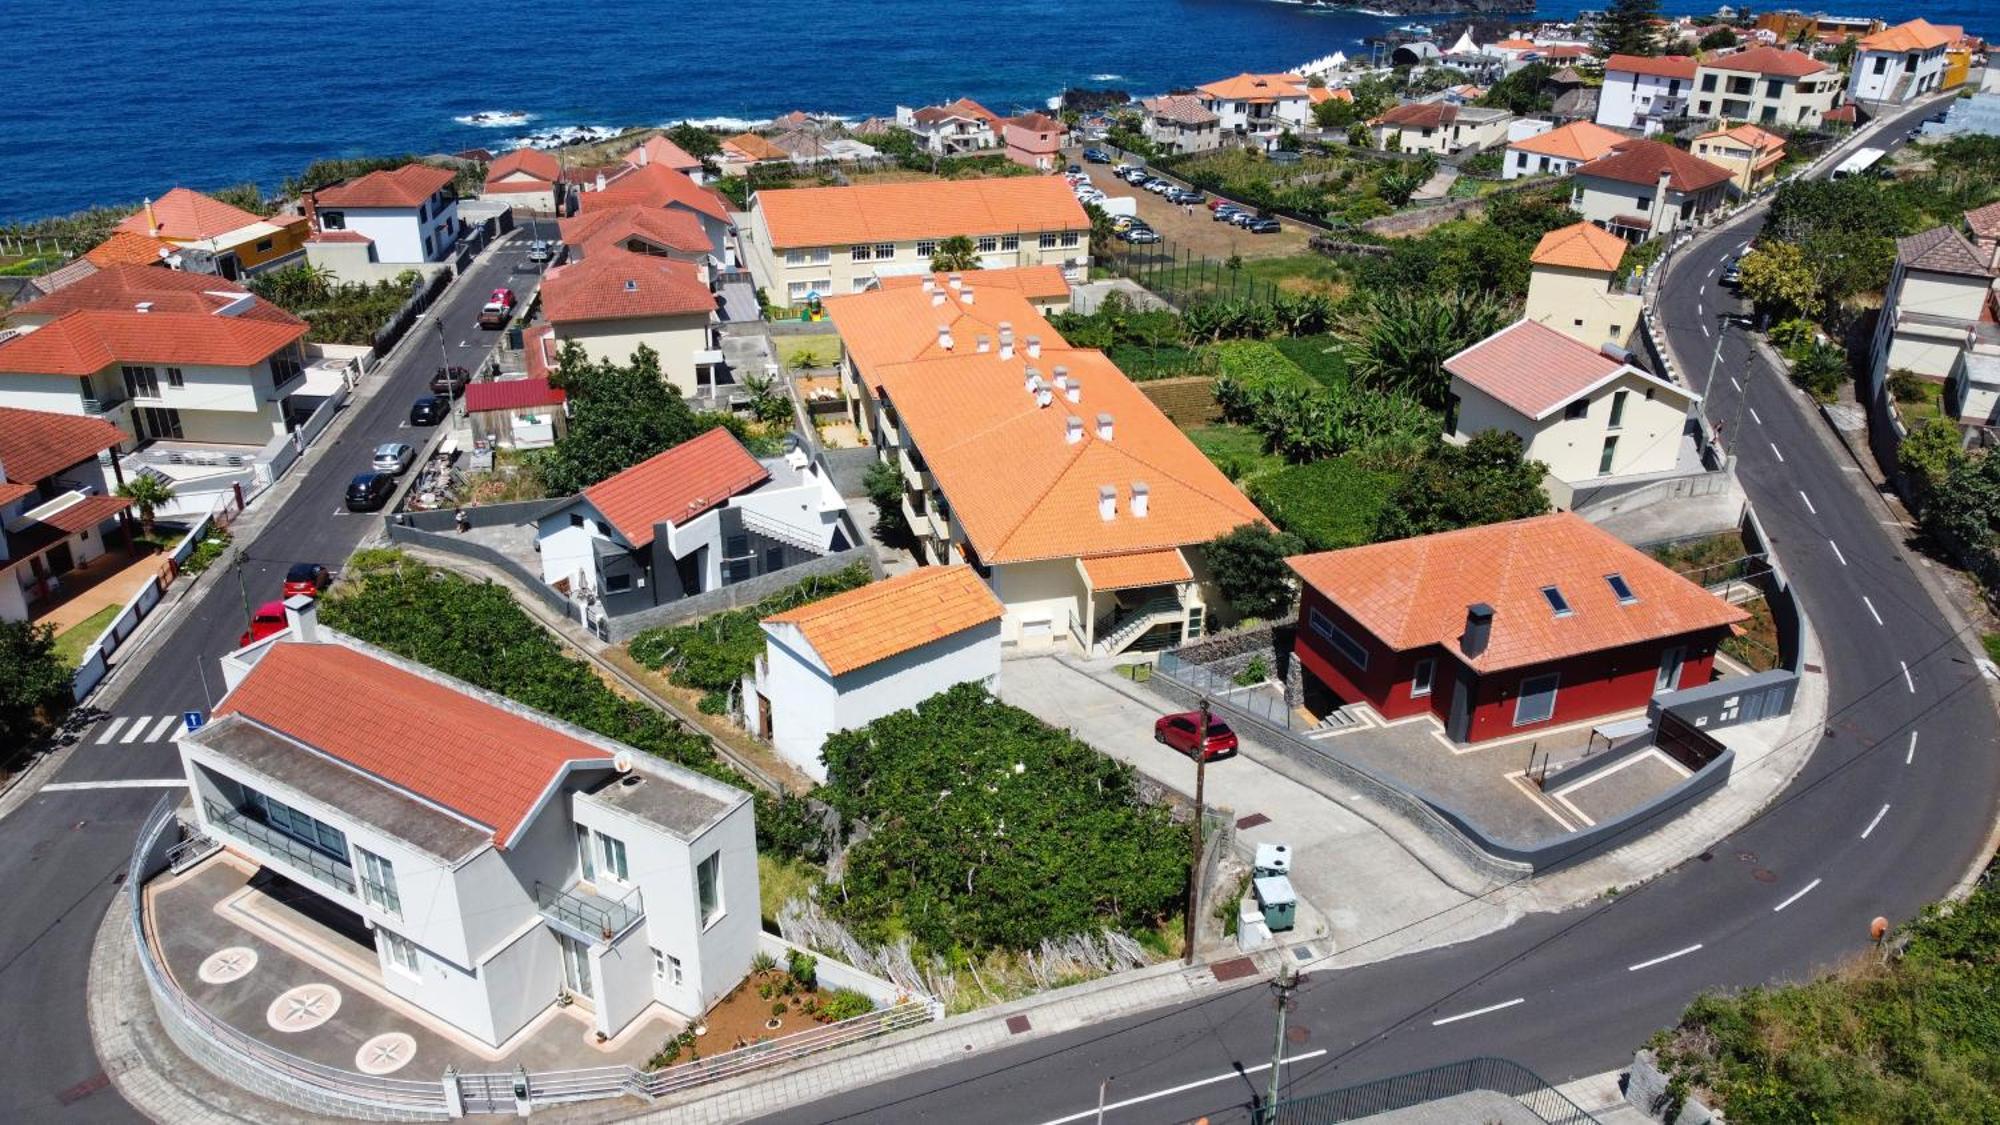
<point x="955" y="255"/>
<point x="148" y="493"/>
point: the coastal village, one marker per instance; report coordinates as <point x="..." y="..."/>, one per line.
<point x="724" y="621"/>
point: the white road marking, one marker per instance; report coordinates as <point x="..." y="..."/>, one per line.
<point x="110" y="730"/>
<point x="1808" y="500"/>
<point x="1756" y="417"/>
<point x="1871" y="609"/>
<point x="133" y="783"/>
<point x="1907" y="681"/>
<point x="137" y="728"/>
<point x="1774" y="450"/>
<point x="1667" y="957"/>
<point x="1479" y="1011"/>
<point x="1799" y="894"/>
<point x="1911" y="755"/>
<point x="1698" y="310"/>
<point x="1182" y="1088"/>
<point x="1878" y="819"/>
<point x="1705" y="333"/>
<point x="1836" y="552"/>
<point x="161" y="727"/>
<point x="1737" y="385"/>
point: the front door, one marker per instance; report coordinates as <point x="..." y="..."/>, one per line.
<point x="1670" y="670"/>
<point x="763" y="716"/>
<point x="60" y="559"/>
<point x="575" y="965"/>
<point x="1460" y="723"/>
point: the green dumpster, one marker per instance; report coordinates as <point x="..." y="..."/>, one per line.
<point x="1279" y="903"/>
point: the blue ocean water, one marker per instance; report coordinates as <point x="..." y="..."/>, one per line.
<point x="111" y="100"/>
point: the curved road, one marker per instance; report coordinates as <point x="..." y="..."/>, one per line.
<point x="1891" y="809"/>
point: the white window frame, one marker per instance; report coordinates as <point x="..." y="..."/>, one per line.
<point x="927" y="248"/>
<point x="659" y="964"/>
<point x="1010" y="242"/>
<point x="611" y="850"/>
<point x="708" y="906"/>
<point x="885" y="251"/>
<point x="1423" y="677"/>
<point x="860" y="253"/>
<point x="1524" y="694"/>
<point x="795" y="258"/>
<point x="676" y="975"/>
<point x="987" y="244"/>
<point x="1046" y="240"/>
<point x="378" y="882"/>
<point x="402" y="953"/>
<point x="1354" y="652"/>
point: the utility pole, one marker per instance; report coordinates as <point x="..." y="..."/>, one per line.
<point x="444" y="357"/>
<point x="1101" y="1088"/>
<point x="1189" y="925"/>
<point x="242" y="589"/>
<point x="1283" y="986"/>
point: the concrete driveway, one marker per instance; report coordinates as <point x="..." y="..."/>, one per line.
<point x="1378" y="898"/>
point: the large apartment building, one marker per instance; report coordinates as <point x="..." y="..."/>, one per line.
<point x="823" y="242"/>
<point x="1765" y="86"/>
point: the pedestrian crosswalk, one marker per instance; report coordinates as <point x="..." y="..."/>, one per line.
<point x="128" y="730"/>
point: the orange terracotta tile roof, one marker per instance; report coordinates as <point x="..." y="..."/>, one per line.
<point x="1768" y="61"/>
<point x="655" y="185"/>
<point x="123" y="287"/>
<point x="1516" y="44"/>
<point x="37" y="443"/>
<point x="408" y="186"/>
<point x="614" y="284"/>
<point x="1749" y="136"/>
<point x="661" y="151"/>
<point x="1256" y="88"/>
<point x="129" y="248"/>
<point x="1141" y="568"/>
<point x="186" y="215"/>
<point x="444" y="741"/>
<point x="1913" y="35"/>
<point x="1578" y="140"/>
<point x="841" y="216"/>
<point x="1658" y="66"/>
<point x="85" y="513"/>
<point x="1320" y="94"/>
<point x="1418" y="115"/>
<point x="89" y="340"/>
<point x="899" y="323"/>
<point x="861" y="627"/>
<point x="1413" y="593"/>
<point x="1984" y="222"/>
<point x="538" y="350"/>
<point x="750" y="146"/>
<point x="1642" y="162"/>
<point x="1037" y="283"/>
<point x="1535" y="369"/>
<point x="676" y="486"/>
<point x="1582" y="246"/>
<point x="668" y="228"/>
<point x="529" y="161"/>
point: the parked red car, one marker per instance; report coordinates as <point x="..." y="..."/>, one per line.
<point x="502" y="296"/>
<point x="269" y="619"/>
<point x="308" y="579"/>
<point x="1178" y="731"/>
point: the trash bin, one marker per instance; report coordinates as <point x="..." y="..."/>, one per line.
<point x="1272" y="859"/>
<point x="1280" y="905"/>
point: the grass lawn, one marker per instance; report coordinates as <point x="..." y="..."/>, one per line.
<point x="1929" y="404"/>
<point x="1992" y="643"/>
<point x="1296" y="272"/>
<point x="800" y="352"/>
<point x="1321" y="357"/>
<point x="1757" y="648"/>
<point x="73" y="641"/>
<point x="779" y="881"/>
<point x="1237" y="450"/>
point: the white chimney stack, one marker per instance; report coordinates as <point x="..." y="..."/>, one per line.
<point x="944" y="336"/>
<point x="937" y="299"/>
<point x="1075" y="393"/>
<point x="985" y="344"/>
<point x="1034" y="347"/>
<point x="929" y="285"/>
<point x="1140" y="495"/>
<point x="965" y="294"/>
<point x="956" y="281"/>
<point x="1104" y="425"/>
<point x="1044" y="396"/>
<point x="1073" y="430"/>
<point x="1034" y="380"/>
<point x="1107" y="503"/>
<point x="302" y="615"/>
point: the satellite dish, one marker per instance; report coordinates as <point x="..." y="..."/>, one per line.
<point x="622" y="761"/>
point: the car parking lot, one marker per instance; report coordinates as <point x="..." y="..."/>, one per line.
<point x="1191" y="227"/>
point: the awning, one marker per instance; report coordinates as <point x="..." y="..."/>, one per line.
<point x="1142" y="568"/>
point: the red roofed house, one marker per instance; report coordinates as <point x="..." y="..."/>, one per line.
<point x="1558" y="151"/>
<point x="1751" y="154"/>
<point x="158" y="354"/>
<point x="1586" y="413"/>
<point x="614" y="301"/>
<point x="410" y="213"/>
<point x="1506" y="628"/>
<point x="1766" y="86"/>
<point x="498" y="860"/>
<point x="1644" y="188"/>
<point x="57" y="504"/>
<point x="701" y="515"/>
<point x="667" y="154"/>
<point x="1440" y="127"/>
<point x="517" y="413"/>
<point x="660" y="187"/>
<point x="1640" y="91"/>
<point x="213" y="237"/>
<point x="530" y="178"/>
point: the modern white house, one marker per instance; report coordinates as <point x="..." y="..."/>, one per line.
<point x="842" y="662"/>
<point x="1260" y="107"/>
<point x="1440" y="127"/>
<point x="1587" y="413"/>
<point x="1899" y="64"/>
<point x="1558" y="151"/>
<point x="1641" y="91"/>
<point x="498" y="860"/>
<point x="952" y="129"/>
<point x="58" y="505"/>
<point x="1573" y="286"/>
<point x="410" y="213"/>
<point x="699" y="516"/>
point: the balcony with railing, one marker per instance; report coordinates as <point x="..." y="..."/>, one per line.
<point x="916" y="473"/>
<point x="296" y="853"/>
<point x="587" y="914"/>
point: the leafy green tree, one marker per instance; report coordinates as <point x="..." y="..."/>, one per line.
<point x="1843" y="55"/>
<point x="1335" y="114"/>
<point x="884" y="487"/>
<point x="1719" y="38"/>
<point x="1820" y="370"/>
<point x="620" y="414"/>
<point x="34" y="683"/>
<point x="1357" y="133"/>
<point x="1627" y="27"/>
<point x="1486" y="480"/>
<point x="1248" y="567"/>
<point x="1398" y="340"/>
<point x="1521" y="92"/>
<point x="1930" y="453"/>
<point x="149" y="494"/>
<point x="695" y="140"/>
<point x="1963" y="514"/>
<point x="1778" y="278"/>
<point x="955" y="255"/>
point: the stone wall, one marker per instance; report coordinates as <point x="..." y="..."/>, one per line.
<point x="1186" y="401"/>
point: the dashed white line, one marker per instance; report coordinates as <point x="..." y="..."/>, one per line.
<point x="1698" y="310"/>
<point x="1737" y="385"/>
<point x="1836" y="552"/>
<point x="1809" y="503"/>
<point x="1774" y="452"/>
<point x="1878" y="819"/>
<point x="1479" y="1011"/>
<point x="1183" y="1088"/>
<point x="1705" y="333"/>
<point x="1871" y="609"/>
<point x="1756" y="417"/>
<point x="1796" y="896"/>
<point x="110" y="730"/>
<point x="1910" y="755"/>
<point x="1907" y="681"/>
<point x="1667" y="957"/>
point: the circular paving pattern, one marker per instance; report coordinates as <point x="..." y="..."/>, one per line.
<point x="304" y="1008"/>
<point x="386" y="1054"/>
<point x="225" y="965"/>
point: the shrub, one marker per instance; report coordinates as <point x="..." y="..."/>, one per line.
<point x="804" y="968"/>
<point x="1793" y="336"/>
<point x="1905" y="386"/>
<point x="1248" y="568"/>
<point x="1254" y="673"/>
<point x="1820" y="370"/>
<point x="844" y="1004"/>
<point x="715" y="653"/>
<point x="1328" y="504"/>
<point x="207" y="551"/>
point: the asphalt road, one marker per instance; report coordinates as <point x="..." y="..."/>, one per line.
<point x="1893" y="806"/>
<point x="61" y="852"/>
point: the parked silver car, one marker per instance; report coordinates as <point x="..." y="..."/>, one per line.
<point x="393" y="457"/>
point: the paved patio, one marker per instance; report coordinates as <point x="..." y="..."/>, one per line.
<point x="279" y="963"/>
<point x="113" y="578"/>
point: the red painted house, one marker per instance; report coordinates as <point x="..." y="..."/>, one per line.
<point x="1502" y="629"/>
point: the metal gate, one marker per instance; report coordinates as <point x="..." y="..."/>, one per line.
<point x="486" y="1093"/>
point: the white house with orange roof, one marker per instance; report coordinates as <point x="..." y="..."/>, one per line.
<point x="1558" y="151"/>
<point x="667" y="154"/>
<point x="1259" y="107"/>
<point x="1039" y="465"/>
<point x="211" y="236"/>
<point x="828" y="241"/>
<point x="842" y="662"/>
<point x="529" y="178"/>
<point x="59" y="508"/>
<point x="954" y="128"/>
<point x="497" y="860"/>
<point x="1751" y="154"/>
<point x="615" y="301"/>
<point x="1766" y="86"/>
<point x="1900" y="64"/>
<point x="1573" y="286"/>
<point x="1587" y="413"/>
<point x="410" y="214"/>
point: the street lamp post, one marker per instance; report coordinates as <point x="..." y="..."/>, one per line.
<point x="444" y="357"/>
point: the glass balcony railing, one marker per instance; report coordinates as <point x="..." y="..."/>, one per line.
<point x="586" y="914"/>
<point x="333" y="872"/>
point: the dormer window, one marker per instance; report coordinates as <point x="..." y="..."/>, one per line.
<point x="1556" y="601"/>
<point x="1621" y="588"/>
